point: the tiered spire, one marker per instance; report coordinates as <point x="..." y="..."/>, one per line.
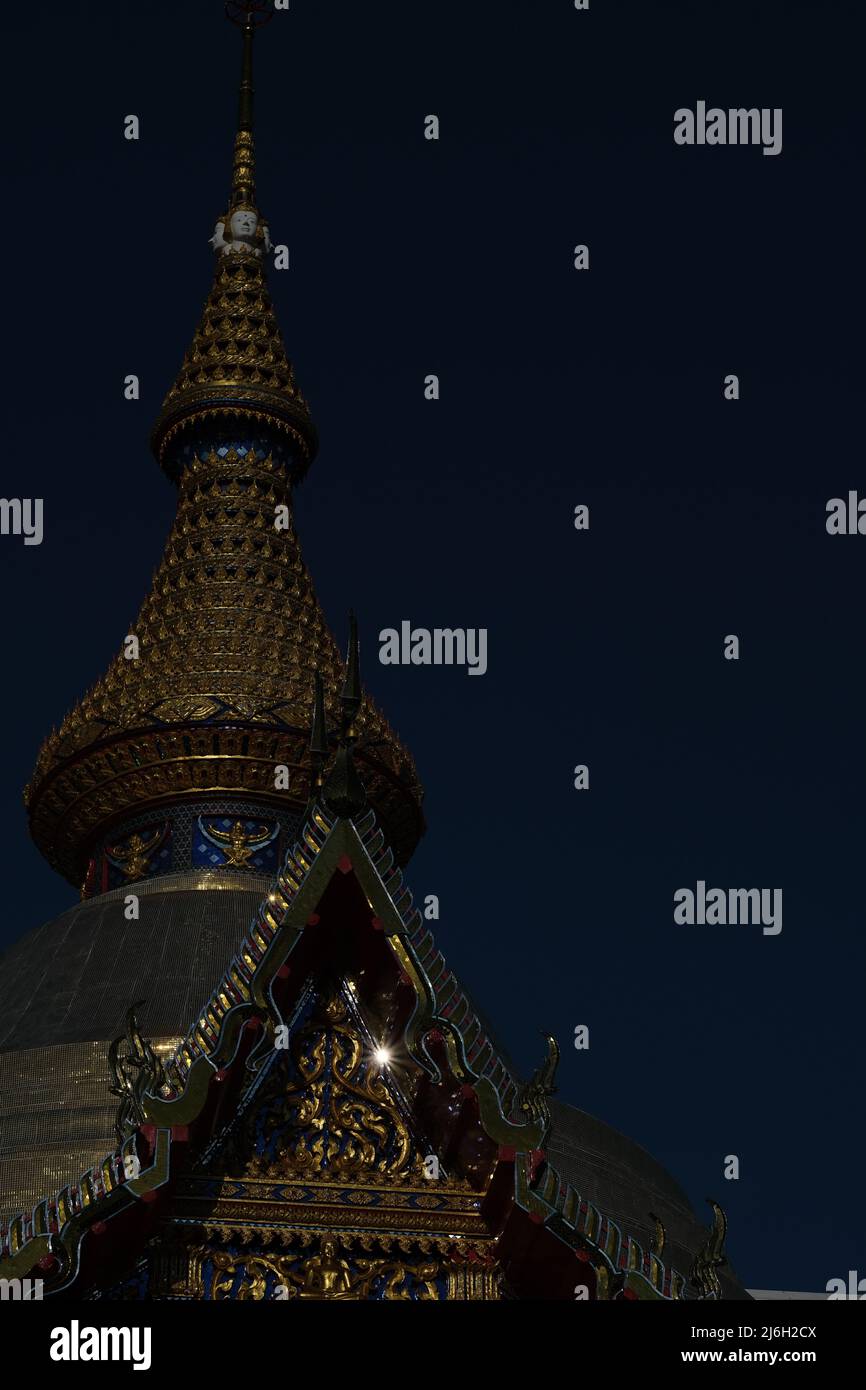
<point x="237" y="364"/>
<point x="243" y="178"/>
<point x="220" y="693"/>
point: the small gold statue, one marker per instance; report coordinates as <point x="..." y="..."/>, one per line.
<point x="238" y="845"/>
<point x="133" y="856"/>
<point x="326" y="1275"/>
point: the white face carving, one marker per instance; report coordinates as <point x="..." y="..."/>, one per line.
<point x="243" y="224"/>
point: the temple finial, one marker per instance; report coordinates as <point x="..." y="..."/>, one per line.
<point x="318" y="737"/>
<point x="351" y="696"/>
<point x="245" y="98"/>
<point x="235" y="433"/>
<point x="248" y="15"/>
<point x="238" y="359"/>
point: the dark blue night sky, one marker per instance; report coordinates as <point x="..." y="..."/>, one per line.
<point x="557" y="388"/>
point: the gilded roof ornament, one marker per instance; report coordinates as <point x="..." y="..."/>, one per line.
<point x="231" y="632"/>
<point x="241" y="228"/>
<point x="237" y="364"/>
<point x="532" y="1100"/>
<point x="711" y="1257"/>
<point x="135" y="1069"/>
<point x="343" y="791"/>
<point x="659" y="1236"/>
<point x="318" y="739"/>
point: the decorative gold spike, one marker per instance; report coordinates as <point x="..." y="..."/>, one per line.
<point x="711" y="1256"/>
<point x="231" y="631"/>
<point x="532" y="1098"/>
<point x="135" y="1069"/>
<point x="658" y="1242"/>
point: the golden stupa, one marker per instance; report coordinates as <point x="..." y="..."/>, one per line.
<point x="218" y="691"/>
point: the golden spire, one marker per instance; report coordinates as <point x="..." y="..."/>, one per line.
<point x="222" y="690"/>
<point x="244" y="173"/>
<point x="219" y="695"/>
<point x="237" y="363"/>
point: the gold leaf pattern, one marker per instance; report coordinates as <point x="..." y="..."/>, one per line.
<point x="231" y="631"/>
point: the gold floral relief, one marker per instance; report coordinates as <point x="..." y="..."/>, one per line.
<point x="328" y="1113"/>
<point x="335" y="1268"/>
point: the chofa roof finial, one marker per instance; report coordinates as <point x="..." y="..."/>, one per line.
<point x="343" y="791"/>
<point x="350" y="699"/>
<point x="318" y="738"/>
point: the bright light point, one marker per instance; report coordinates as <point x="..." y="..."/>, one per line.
<point x="382" y="1056"/>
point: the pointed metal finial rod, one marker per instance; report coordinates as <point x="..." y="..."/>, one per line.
<point x="244" y="12"/>
<point x="343" y="792"/>
<point x="245" y="100"/>
<point x="351" y="696"/>
<point x="248" y="15"/>
<point x="318" y="735"/>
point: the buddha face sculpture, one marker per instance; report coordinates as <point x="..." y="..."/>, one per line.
<point x="241" y="230"/>
<point x="243" y="225"/>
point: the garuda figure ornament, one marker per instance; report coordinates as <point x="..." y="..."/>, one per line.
<point x="237" y="844"/>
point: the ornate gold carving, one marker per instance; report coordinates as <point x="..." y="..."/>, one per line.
<point x="338" y="1120"/>
<point x="340" y="1267"/>
<point x="134" y="1070"/>
<point x="237" y="347"/>
<point x="325" y="1276"/>
<point x="338" y="1214"/>
<point x="659" y="1237"/>
<point x="176" y="1271"/>
<point x="238" y="844"/>
<point x="475" y="1282"/>
<point x="532" y="1097"/>
<point x="133" y="857"/>
<point x="256" y="1263"/>
<point x="711" y="1256"/>
<point x="244" y="170"/>
<point x="253" y="1271"/>
<point x="222" y="689"/>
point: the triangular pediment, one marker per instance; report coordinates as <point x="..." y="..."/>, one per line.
<point x="277" y="1150"/>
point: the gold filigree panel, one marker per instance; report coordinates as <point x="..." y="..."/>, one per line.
<point x="231" y="634"/>
<point x="327" y="1266"/>
<point x="325" y="1111"/>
